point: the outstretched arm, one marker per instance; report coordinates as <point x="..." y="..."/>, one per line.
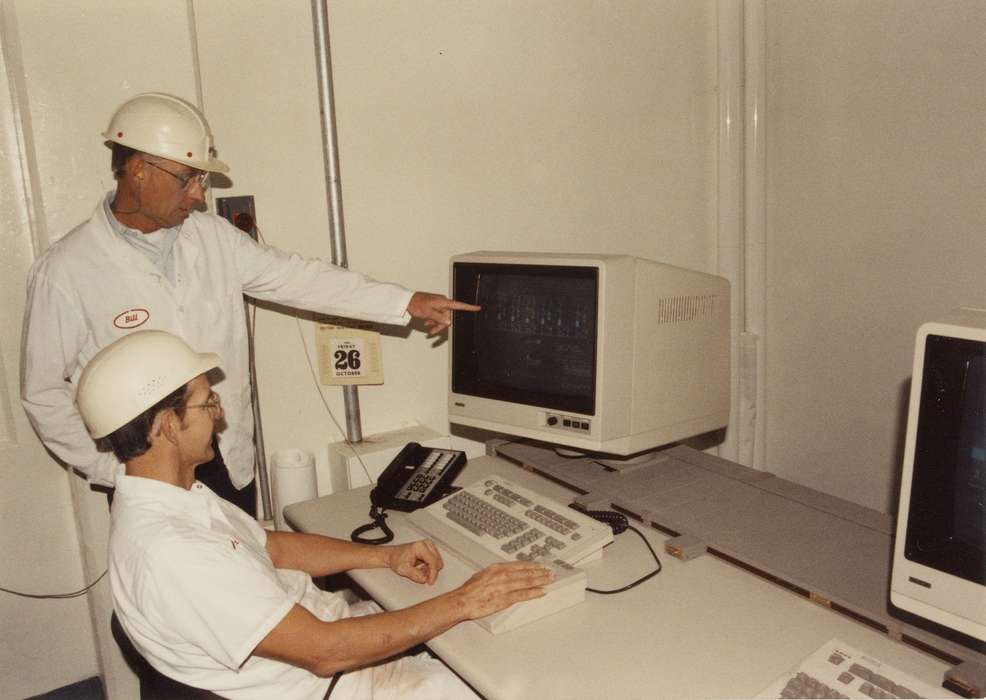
<point x="436" y="310"/>
<point x="273" y="275"/>
<point x="326" y="647"/>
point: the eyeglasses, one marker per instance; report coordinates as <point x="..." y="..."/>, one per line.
<point x="185" y="179"/>
<point x="213" y="404"/>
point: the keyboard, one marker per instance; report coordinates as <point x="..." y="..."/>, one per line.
<point x="495" y="520"/>
<point x="837" y="670"/>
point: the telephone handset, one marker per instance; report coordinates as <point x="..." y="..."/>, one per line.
<point x="417" y="477"/>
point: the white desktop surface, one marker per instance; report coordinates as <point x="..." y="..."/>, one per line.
<point x="699" y="629"/>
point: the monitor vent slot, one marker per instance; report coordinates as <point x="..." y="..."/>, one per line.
<point x="683" y="309"/>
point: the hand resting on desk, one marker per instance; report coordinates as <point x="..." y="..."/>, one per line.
<point x="418" y="561"/>
<point x="487" y="592"/>
<point x="327" y="646"/>
<point x="500" y="586"/>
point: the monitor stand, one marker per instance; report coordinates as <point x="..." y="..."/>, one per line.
<point x="616" y="463"/>
<point x="625" y="465"/>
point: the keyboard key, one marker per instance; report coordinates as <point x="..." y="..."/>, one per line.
<point x="882" y="682"/>
<point x="836" y="670"/>
<point x="804" y="686"/>
<point x="465" y="522"/>
<point x="861" y="671"/>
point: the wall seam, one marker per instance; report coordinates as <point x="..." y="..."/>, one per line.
<point x="755" y="213"/>
<point x="14" y="66"/>
<point x="729" y="195"/>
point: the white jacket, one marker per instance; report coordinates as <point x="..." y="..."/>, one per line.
<point x="91" y="287"/>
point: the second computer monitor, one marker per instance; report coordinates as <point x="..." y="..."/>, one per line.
<point x="604" y="353"/>
<point x="939" y="566"/>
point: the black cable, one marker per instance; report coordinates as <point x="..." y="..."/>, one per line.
<point x="619" y="523"/>
<point x="379" y="518"/>
<point x="640" y="580"/>
<point x="55" y="596"/>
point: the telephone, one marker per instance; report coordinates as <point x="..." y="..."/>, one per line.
<point x="417" y="477"/>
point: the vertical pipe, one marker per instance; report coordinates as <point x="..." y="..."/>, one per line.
<point x="330" y="144"/>
<point x="333" y="187"/>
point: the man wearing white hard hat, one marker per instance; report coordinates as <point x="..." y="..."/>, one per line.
<point x="149" y="258"/>
<point x="214" y="601"/>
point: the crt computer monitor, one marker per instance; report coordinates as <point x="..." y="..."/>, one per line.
<point x="602" y="353"/>
<point x="939" y="565"/>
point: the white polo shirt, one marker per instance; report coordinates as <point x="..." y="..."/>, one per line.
<point x="196" y="591"/>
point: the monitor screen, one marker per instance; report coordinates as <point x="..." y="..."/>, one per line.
<point x="947" y="514"/>
<point x="605" y="353"/>
<point x="534" y="342"/>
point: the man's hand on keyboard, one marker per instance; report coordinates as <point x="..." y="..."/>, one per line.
<point x="418" y="561"/>
<point x="500" y="586"/>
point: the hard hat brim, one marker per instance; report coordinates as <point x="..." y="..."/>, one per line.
<point x="213" y="165"/>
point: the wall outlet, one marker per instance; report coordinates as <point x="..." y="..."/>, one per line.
<point x="239" y="211"/>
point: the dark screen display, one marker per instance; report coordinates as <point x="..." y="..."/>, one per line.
<point x="946" y="527"/>
<point x="534" y="342"/>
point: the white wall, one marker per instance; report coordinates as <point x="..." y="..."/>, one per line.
<point x="462" y="126"/>
<point x="565" y="125"/>
<point x="44" y="643"/>
<point x="876" y="159"/>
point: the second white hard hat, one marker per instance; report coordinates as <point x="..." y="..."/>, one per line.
<point x="166" y="126"/>
<point x="130" y="375"/>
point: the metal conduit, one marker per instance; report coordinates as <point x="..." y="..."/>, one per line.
<point x="333" y="184"/>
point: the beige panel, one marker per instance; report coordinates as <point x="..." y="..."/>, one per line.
<point x="876" y="159"/>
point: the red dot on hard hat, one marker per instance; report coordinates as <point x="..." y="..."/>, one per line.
<point x="119" y="134"/>
<point x="189" y="154"/>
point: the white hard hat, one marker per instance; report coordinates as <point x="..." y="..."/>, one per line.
<point x="130" y="375"/>
<point x="166" y="126"/>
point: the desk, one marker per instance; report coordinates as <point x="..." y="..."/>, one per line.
<point x="700" y="629"/>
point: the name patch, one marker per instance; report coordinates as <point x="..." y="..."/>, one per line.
<point x="132" y="318"/>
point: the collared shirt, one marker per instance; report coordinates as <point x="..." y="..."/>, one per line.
<point x="91" y="288"/>
<point x="195" y="590"/>
<point x="156" y="246"/>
